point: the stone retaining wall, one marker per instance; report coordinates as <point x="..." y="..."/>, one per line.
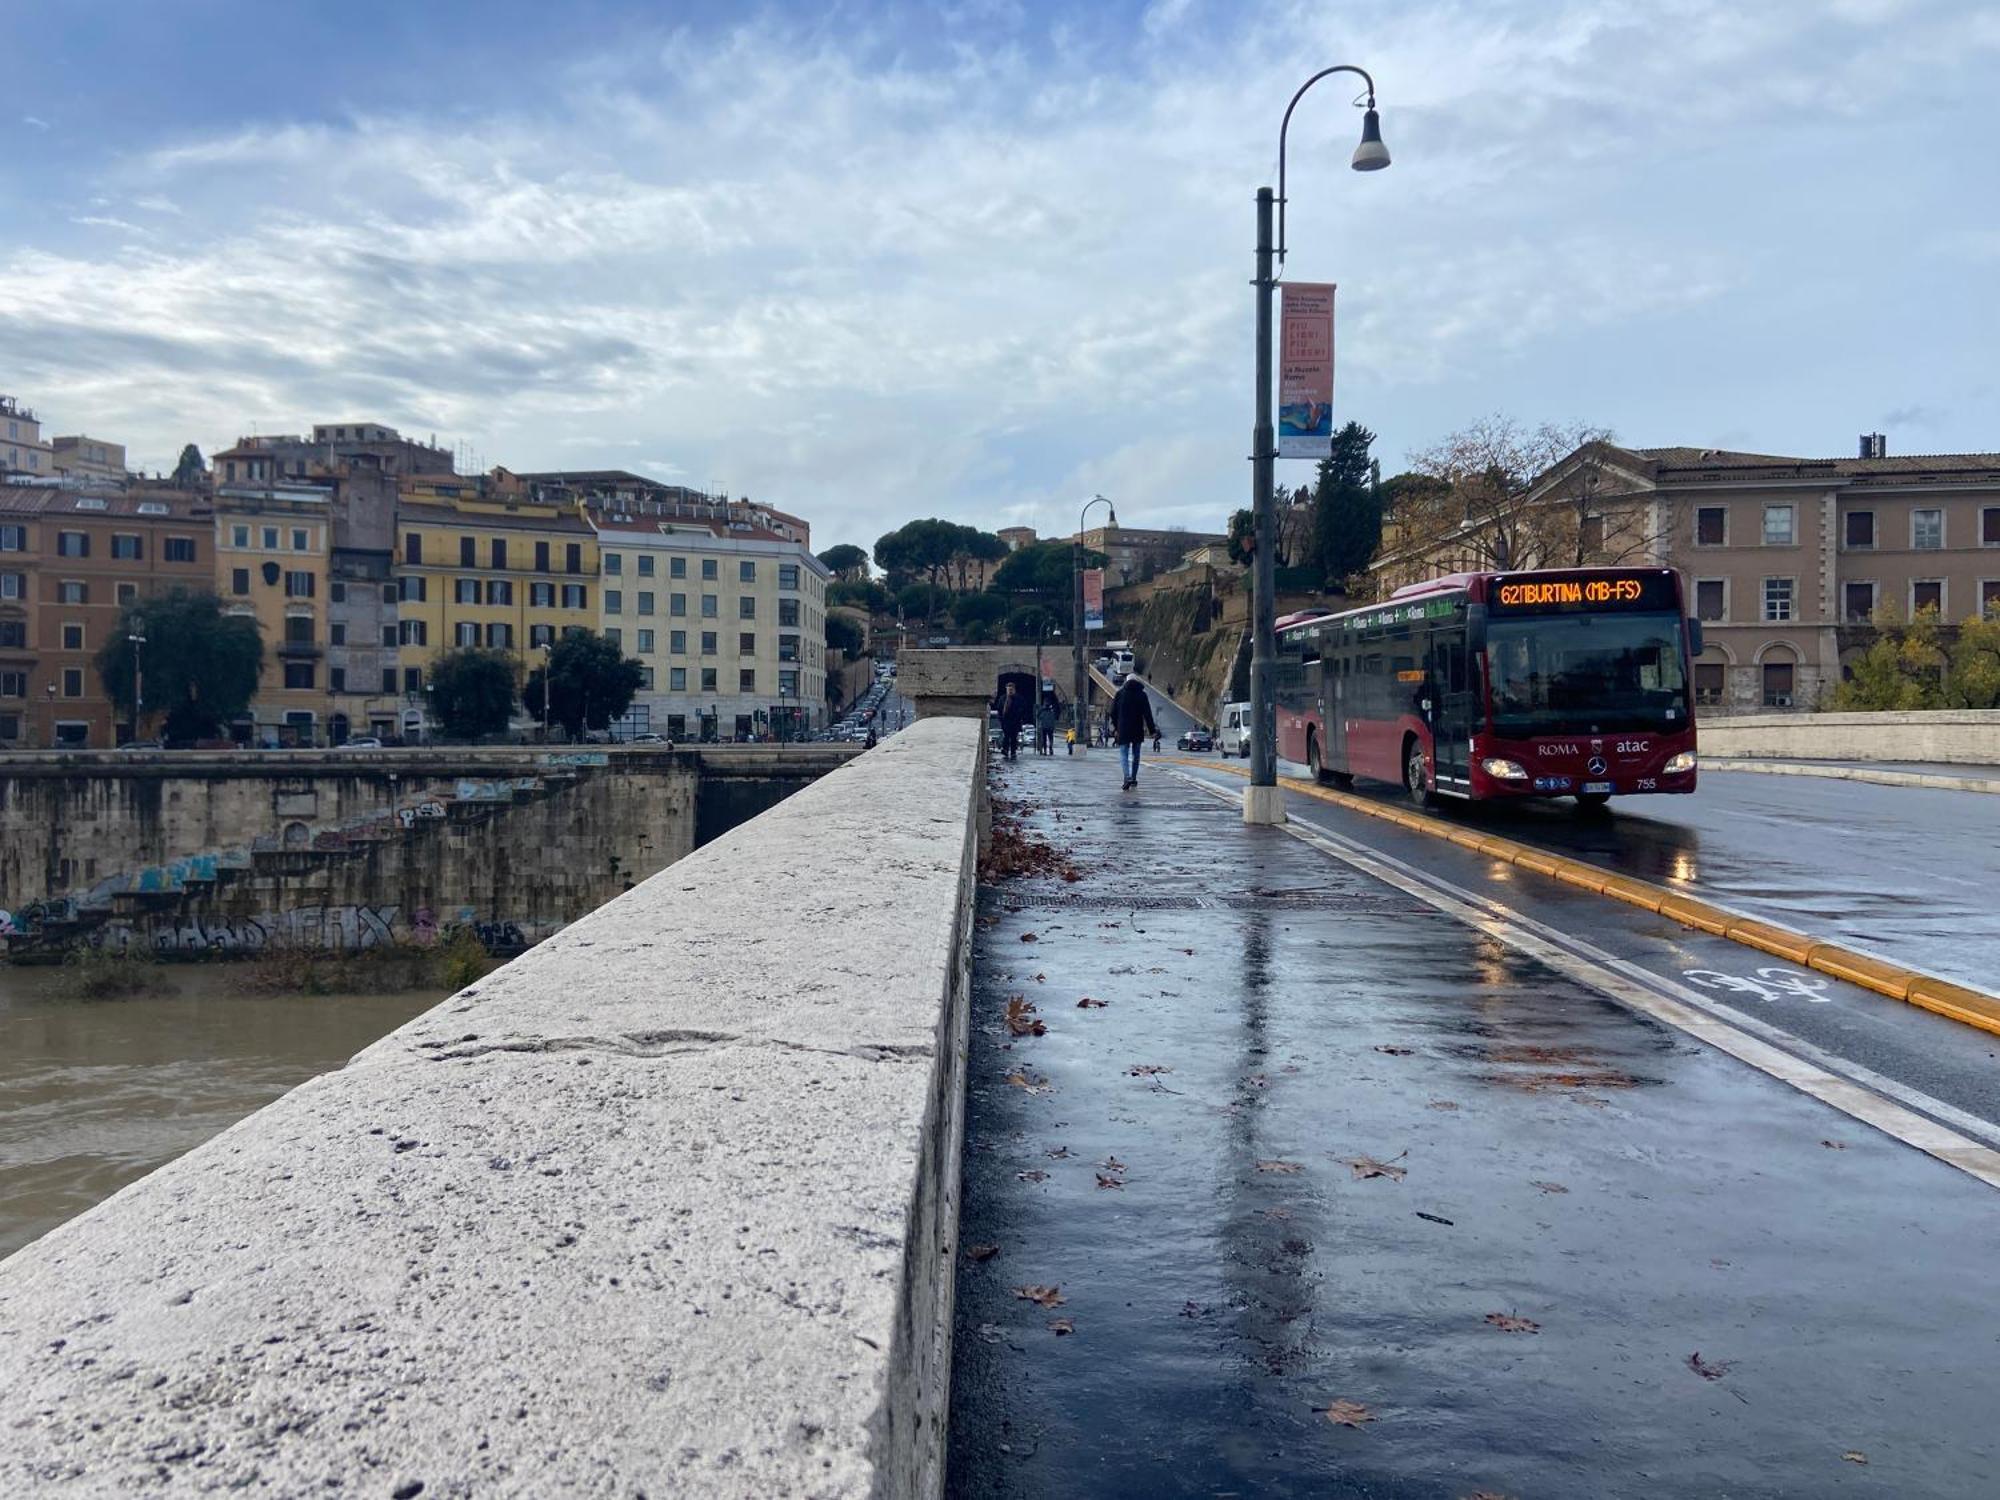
<point x="666" y="1206"/>
<point x="1945" y="736"/>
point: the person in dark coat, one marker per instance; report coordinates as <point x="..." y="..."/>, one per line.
<point x="1014" y="713"/>
<point x="1132" y="725"/>
<point x="1045" y="729"/>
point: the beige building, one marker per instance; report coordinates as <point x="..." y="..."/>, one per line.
<point x="728" y="619"/>
<point x="22" y="450"/>
<point x="88" y="458"/>
<point x="1132" y="555"/>
<point x="273" y="542"/>
<point x="1784" y="559"/>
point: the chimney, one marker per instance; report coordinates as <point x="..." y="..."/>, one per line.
<point x="1874" y="445"/>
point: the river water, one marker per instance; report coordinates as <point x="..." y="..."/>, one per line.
<point x="96" y="1093"/>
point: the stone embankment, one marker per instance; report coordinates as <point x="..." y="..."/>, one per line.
<point x="1963" y="737"/>
<point x="665" y="1206"/>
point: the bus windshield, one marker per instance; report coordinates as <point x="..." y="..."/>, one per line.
<point x="1569" y="674"/>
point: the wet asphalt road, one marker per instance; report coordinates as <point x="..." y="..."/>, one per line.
<point x="1638" y="1196"/>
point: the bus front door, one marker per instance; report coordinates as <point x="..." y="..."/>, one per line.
<point x="1333" y="711"/>
<point x="1454" y="709"/>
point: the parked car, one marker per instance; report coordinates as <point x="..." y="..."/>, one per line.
<point x="649" y="738"/>
<point x="362" y="742"/>
<point x="142" y="745"/>
<point x="1197" y="739"/>
<point x="1233" y="734"/>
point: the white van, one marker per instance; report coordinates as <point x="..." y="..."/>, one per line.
<point x="1122" y="665"/>
<point x="1232" y="730"/>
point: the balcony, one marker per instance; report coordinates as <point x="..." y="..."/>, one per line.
<point x="299" y="650"/>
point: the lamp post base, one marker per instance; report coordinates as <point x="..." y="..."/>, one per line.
<point x="1264" y="804"/>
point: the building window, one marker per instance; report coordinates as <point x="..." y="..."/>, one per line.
<point x="72" y="682"/>
<point x="788" y="682"/>
<point x="708" y="569"/>
<point x="500" y="636"/>
<point x="466" y="633"/>
<point x="645" y="643"/>
<point x="499" y="552"/>
<point x="788" y="648"/>
<point x="788" y="575"/>
<point x="299" y="674"/>
<point x="1778" y="528"/>
<point x="1927" y="593"/>
<point x="541" y="595"/>
<point x="645" y="565"/>
<point x="614" y="637"/>
<point x="677" y="605"/>
<point x="301" y="539"/>
<point x="239" y="581"/>
<point x="788" y="613"/>
<point x="614" y="601"/>
<point x="239" y="536"/>
<point x="500" y="591"/>
<point x="746" y="571"/>
<point x="575" y="596"/>
<point x="614" y="564"/>
<point x="746" y="606"/>
<point x="1858" y="602"/>
<point x="465" y="591"/>
<point x="1708" y="681"/>
<point x="389" y="635"/>
<point x="746" y="643"/>
<point x="711" y="607"/>
<point x="412" y="589"/>
<point x="337" y="591"/>
<point x="1711" y="598"/>
<point x="1778" y="599"/>
<point x="126" y="547"/>
<point x="270" y="539"/>
<point x="708" y="643"/>
<point x="677" y="642"/>
<point x="13" y="539"/>
<point x="413" y="680"/>
<point x="541" y="557"/>
<point x="388" y="679"/>
<point x="336" y="633"/>
<point x="468" y="552"/>
<point x="708" y="679"/>
<point x="127" y="593"/>
<point x="72" y="637"/>
<point x="1989" y="526"/>
<point x="1777" y="684"/>
<point x="1860" y="530"/>
<point x="746" y="680"/>
<point x="1989" y="598"/>
<point x="298" y="630"/>
<point x="73" y="544"/>
<point x="298" y="585"/>
<point x="414" y="632"/>
<point x="336" y="679"/>
<point x="14" y="633"/>
<point x="541" y="635"/>
<point x="573" y="557"/>
<point x="13" y="585"/>
<point x="72" y="591"/>
<point x="1926" y="530"/>
<point x="13" y="684"/>
<point x="179" y="549"/>
<point x="1711" y="526"/>
<point x="646" y="602"/>
<point x="646" y="678"/>
<point x="677" y="679"/>
<point x="677" y="567"/>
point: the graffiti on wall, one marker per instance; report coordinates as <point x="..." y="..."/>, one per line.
<point x="409" y="817"/>
<point x="354" y="928"/>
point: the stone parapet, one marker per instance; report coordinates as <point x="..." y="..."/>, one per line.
<point x="666" y="1206"/>
<point x="1942" y="736"/>
<point x="959" y="681"/>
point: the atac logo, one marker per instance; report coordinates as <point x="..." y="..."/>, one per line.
<point x="1597" y="747"/>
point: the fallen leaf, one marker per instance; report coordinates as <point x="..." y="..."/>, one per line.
<point x="1147" y="1070"/>
<point x="1058" y="1153"/>
<point x="1045" y="1296"/>
<point x="1022" y="1020"/>
<point x="1193" y="1310"/>
<point x="1041" y="979"/>
<point x="1108" y="1182"/>
<point x="981" y="1252"/>
<point x="1549" y="1187"/>
<point x="1257" y="1081"/>
<point x="1023" y="1082"/>
<point x="1112" y="1164"/>
<point x="1086" y="1003"/>
<point x="1280" y="1212"/>
<point x="1707" y="1369"/>
<point x="1834" y="1145"/>
<point x="1348" y="1414"/>
<point x="1443" y="1104"/>
<point x="1491" y="1494"/>
<point x="1366" y="1167"/>
<point x="1508" y="1323"/>
<point x="1396" y="1051"/>
<point x="1855" y="1456"/>
<point x="1434" y="1218"/>
<point x="1188" y="951"/>
<point x="1033" y="1174"/>
<point x="1061" y="1326"/>
<point x="1027" y="937"/>
<point x="1279" y="1166"/>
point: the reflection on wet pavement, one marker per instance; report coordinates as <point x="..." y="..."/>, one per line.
<point x="1324" y="1194"/>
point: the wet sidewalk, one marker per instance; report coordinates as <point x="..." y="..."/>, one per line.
<point x="1324" y="1193"/>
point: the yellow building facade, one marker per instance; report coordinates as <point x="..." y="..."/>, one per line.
<point x="271" y="560"/>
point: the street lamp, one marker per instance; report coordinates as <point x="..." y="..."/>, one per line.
<point x="548" y="659"/>
<point x="138" y="682"/>
<point x="1262" y="802"/>
<point x="1082" y="684"/>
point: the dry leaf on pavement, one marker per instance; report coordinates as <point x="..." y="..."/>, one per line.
<point x="1549" y="1187"/>
<point x="1443" y="1104"/>
<point x="1279" y="1166"/>
<point x="1348" y="1414"/>
<point x="1033" y="1174"/>
<point x="1022" y="1020"/>
<point x="1366" y="1166"/>
<point x="1061" y="1326"/>
<point x="1834" y="1145"/>
<point x="1396" y="1051"/>
<point x="1706" y="1369"/>
<point x="1508" y="1323"/>
<point x="981" y="1252"/>
<point x="1027" y="937"/>
<point x="1112" y="1164"/>
<point x="1108" y="1182"/>
<point x="1045" y="1296"/>
<point x="1086" y="1003"/>
<point x="1855" y="1456"/>
<point x="1028" y="1085"/>
<point x="1147" y="1070"/>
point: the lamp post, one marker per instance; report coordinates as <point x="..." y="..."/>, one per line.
<point x="1082" y="684"/>
<point x="138" y="682"/>
<point x="1262" y="801"/>
<point x="548" y="657"/>
<point x="52" y="715"/>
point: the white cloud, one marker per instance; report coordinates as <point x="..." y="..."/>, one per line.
<point x="34" y="122"/>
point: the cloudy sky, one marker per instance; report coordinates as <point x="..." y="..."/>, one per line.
<point x="985" y="259"/>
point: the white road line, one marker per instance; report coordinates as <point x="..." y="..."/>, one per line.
<point x="1645" y="993"/>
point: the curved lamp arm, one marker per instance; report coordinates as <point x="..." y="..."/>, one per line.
<point x="1362" y="74"/>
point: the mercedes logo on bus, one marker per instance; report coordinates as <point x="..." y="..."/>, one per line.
<point x="1595" y="765"/>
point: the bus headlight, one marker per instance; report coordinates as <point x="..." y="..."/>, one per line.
<point x="1503" y="770"/>
<point x="1676" y="764"/>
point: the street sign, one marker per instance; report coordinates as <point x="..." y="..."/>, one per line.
<point x="1305" y="370"/>
<point x="1093" y="598"/>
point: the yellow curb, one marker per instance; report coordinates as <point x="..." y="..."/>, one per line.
<point x="1941" y="996"/>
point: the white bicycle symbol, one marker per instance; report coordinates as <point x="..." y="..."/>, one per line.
<point x="1769" y="984"/>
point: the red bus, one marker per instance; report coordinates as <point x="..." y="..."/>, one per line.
<point x="1570" y="682"/>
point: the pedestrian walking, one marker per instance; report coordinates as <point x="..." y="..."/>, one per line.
<point x="1013" y="710"/>
<point x="1045" y="729"/>
<point x="1132" y="725"/>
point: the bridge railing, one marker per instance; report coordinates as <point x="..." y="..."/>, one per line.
<point x="666" y="1205"/>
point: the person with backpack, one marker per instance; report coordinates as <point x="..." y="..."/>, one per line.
<point x="1132" y="725"/>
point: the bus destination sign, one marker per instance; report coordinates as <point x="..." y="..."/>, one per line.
<point x="1582" y="592"/>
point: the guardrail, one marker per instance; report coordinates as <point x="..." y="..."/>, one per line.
<point x="667" y="1205"/>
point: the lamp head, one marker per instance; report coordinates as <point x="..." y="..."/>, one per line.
<point x="1371" y="155"/>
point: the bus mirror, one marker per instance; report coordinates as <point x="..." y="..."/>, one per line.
<point x="1694" y="636"/>
<point x="1475" y="627"/>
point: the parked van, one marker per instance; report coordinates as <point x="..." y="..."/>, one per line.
<point x="1232" y="732"/>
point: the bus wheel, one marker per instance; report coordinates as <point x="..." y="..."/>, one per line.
<point x="1416" y="772"/>
<point x="1313" y="765"/>
<point x="1592" y="804"/>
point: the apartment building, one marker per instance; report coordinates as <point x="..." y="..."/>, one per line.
<point x="71" y="561"/>
<point x="326" y="450"/>
<point x="364" y="641"/>
<point x="273" y="547"/>
<point x="1133" y="554"/>
<point x="22" y="450"/>
<point x="481" y="562"/>
<point x="611" y="493"/>
<point x="88" y="458"/>
<point x="1784" y="559"/>
<point x="728" y="618"/>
